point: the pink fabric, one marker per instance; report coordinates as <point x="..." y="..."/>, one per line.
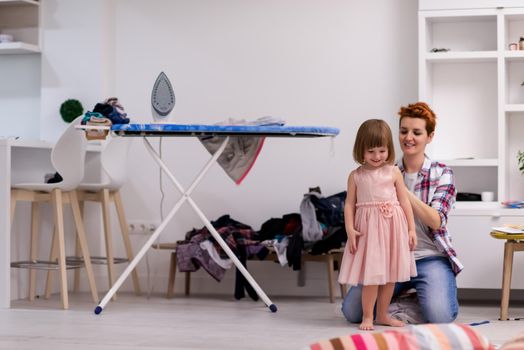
<point x="443" y="336"/>
<point x="383" y="254"/>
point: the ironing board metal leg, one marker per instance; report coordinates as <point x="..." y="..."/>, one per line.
<point x="185" y="196"/>
<point x="205" y="220"/>
<point x="139" y="256"/>
<point x="232" y="255"/>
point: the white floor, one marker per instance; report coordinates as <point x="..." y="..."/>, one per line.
<point x="197" y="322"/>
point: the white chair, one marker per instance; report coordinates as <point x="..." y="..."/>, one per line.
<point x="114" y="164"/>
<point x="67" y="157"/>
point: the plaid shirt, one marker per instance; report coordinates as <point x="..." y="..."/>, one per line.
<point x="436" y="187"/>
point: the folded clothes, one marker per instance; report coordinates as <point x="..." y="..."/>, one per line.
<point x="113" y="110"/>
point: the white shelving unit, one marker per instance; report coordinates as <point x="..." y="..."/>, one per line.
<point x="20" y="68"/>
<point x="475" y="90"/>
<point x="21" y="19"/>
<point x="476" y="87"/>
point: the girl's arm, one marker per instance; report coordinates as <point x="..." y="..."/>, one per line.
<point x="402" y="195"/>
<point x="349" y="214"/>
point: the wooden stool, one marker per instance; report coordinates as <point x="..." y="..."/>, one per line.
<point x="172" y="270"/>
<point x="113" y="159"/>
<point x="513" y="244"/>
<point x="329" y="258"/>
<point x="105" y="196"/>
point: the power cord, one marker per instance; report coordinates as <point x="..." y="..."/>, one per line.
<point x="150" y="282"/>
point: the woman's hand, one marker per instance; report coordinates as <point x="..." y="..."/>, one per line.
<point x="412" y="235"/>
<point x="352" y="240"/>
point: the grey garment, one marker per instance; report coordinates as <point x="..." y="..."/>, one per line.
<point x="238" y="156"/>
<point x="406" y="308"/>
<point x="190" y="257"/>
<point x="241" y="152"/>
<point x="425" y="246"/>
<point x="311" y="230"/>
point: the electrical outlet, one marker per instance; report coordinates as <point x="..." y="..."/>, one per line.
<point x="142" y="227"/>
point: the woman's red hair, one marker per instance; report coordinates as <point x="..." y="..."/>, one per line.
<point x="420" y="110"/>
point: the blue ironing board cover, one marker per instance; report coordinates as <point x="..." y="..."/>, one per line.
<point x="222" y="130"/>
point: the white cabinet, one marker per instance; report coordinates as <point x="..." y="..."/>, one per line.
<point x="481" y="254"/>
<point x="21" y="19"/>
<point x="475" y="85"/>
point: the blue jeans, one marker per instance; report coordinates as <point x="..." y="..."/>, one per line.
<point x="436" y="291"/>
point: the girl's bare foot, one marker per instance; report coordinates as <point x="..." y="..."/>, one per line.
<point x="389" y="321"/>
<point x="366" y="325"/>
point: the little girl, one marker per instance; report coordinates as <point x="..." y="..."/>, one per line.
<point x="379" y="223"/>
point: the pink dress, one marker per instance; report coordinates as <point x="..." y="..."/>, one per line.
<point x="383" y="254"/>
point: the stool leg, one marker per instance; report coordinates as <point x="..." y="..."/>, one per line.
<point x="331" y="268"/>
<point x="506" y="279"/>
<point x="33" y="249"/>
<point x="343" y="290"/>
<point x="83" y="244"/>
<point x="125" y="237"/>
<point x="343" y="287"/>
<point x="108" y="238"/>
<point x="53" y="256"/>
<point x="78" y="252"/>
<point x="56" y="197"/>
<point x="172" y="273"/>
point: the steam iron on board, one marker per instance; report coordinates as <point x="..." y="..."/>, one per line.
<point x="162" y="98"/>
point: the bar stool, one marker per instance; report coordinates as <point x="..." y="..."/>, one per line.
<point x="67" y="157"/>
<point x="114" y="164"/>
<point x="514" y="243"/>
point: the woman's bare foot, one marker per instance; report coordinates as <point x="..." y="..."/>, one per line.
<point x="389" y="321"/>
<point x="366" y="325"/>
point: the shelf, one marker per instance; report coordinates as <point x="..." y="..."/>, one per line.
<point x="478" y="205"/>
<point x="30" y="143"/>
<point x="92" y="146"/>
<point x="425" y="5"/>
<point x="462" y="56"/>
<point x="18" y="48"/>
<point x="494" y="209"/>
<point x="514" y="55"/>
<point x="473" y="16"/>
<point x="473" y="162"/>
<point x="514" y="108"/>
<point x="19" y="2"/>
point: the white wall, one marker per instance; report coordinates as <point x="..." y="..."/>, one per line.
<point x="307" y="62"/>
<point x="331" y="63"/>
<point x="76" y="57"/>
<point x="302" y="61"/>
<point x="19" y="95"/>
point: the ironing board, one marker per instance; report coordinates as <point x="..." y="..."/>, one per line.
<point x="199" y="130"/>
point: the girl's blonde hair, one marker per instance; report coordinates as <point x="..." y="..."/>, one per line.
<point x="373" y="133"/>
<point x="420" y="110"/>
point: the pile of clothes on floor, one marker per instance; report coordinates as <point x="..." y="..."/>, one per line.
<point x="318" y="228"/>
